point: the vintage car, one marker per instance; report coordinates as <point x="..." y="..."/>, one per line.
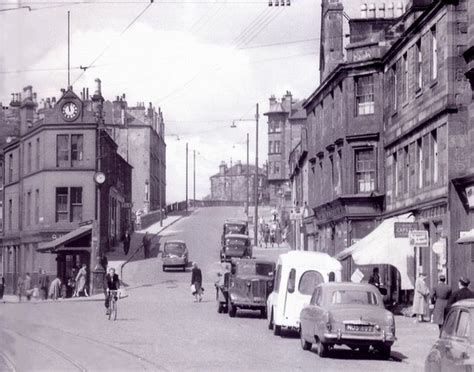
<point x="297" y="275"/>
<point x="234" y="226"/>
<point x="236" y="246"/>
<point x="454" y="350"/>
<point x="175" y="255"/>
<point x="246" y="284"/>
<point x="349" y="314"/>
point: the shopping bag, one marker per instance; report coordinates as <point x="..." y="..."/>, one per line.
<point x="122" y="293"/>
<point x="193" y="289"/>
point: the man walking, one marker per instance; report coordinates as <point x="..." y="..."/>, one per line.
<point x="27" y="286"/>
<point x="44" y="284"/>
<point x="439" y="297"/>
<point x="420" y="302"/>
<point x="196" y="280"/>
<point x="126" y="242"/>
<point x="461" y="294"/>
<point x="146" y="245"/>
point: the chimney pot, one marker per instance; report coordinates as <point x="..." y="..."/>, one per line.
<point x="98" y="88"/>
<point x="381" y="12"/>
<point x="372" y="10"/>
<point x="390" y="10"/>
<point x="28" y="90"/>
<point x="363" y="11"/>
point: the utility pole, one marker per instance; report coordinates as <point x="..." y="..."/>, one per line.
<point x="248" y="177"/>
<point x="230" y="175"/>
<point x="255" y="226"/>
<point x="194" y="176"/>
<point x="186" y="177"/>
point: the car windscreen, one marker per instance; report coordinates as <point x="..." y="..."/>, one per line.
<point x="236" y="242"/>
<point x="252" y="268"/>
<point x="354" y="297"/>
<point x="174" y="248"/>
<point x="235" y="228"/>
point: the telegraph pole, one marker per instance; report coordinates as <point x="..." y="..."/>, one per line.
<point x="186" y="177"/>
<point x="248" y="177"/>
<point x="194" y="176"/>
<point x="255" y="226"/>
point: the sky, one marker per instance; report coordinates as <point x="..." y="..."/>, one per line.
<point x="205" y="63"/>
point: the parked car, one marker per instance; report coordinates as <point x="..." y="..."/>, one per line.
<point x="349" y="314"/>
<point x="454" y="350"/>
<point x="175" y="255"/>
<point x="297" y="275"/>
<point x="236" y="246"/>
<point x="245" y="286"/>
<point x="234" y="226"/>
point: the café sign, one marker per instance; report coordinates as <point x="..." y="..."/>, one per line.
<point x="401" y="229"/>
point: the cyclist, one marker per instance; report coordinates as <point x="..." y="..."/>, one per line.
<point x="112" y="282"/>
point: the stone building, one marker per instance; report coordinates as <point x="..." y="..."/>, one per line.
<point x="286" y="117"/>
<point x="62" y="172"/>
<point x="389" y="137"/>
<point x="140" y="135"/>
<point x="231" y="183"/>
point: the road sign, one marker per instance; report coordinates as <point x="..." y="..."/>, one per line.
<point x="401" y="229"/>
<point x="418" y="238"/>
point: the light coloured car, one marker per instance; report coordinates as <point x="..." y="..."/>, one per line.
<point x="454" y="350"/>
<point x="175" y="255"/>
<point x="351" y="314"/>
<point x="297" y="275"/>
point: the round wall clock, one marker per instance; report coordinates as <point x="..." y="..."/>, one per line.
<point x="99" y="178"/>
<point x="70" y="111"/>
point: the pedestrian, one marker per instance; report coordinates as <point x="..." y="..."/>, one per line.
<point x="461" y="294"/>
<point x="27" y="286"/>
<point x="196" y="281"/>
<point x="19" y="288"/>
<point x="420" y="298"/>
<point x="126" y="242"/>
<point x="146" y="241"/>
<point x="375" y="277"/>
<point x="104" y="262"/>
<point x="81" y="281"/>
<point x="2" y="286"/>
<point x="272" y="234"/>
<point x="55" y="289"/>
<point x="439" y="298"/>
<point x="43" y="284"/>
<point x="266" y="235"/>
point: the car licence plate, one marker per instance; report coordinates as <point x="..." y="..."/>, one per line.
<point x="359" y="328"/>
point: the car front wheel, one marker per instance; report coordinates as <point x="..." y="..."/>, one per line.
<point x="232" y="310"/>
<point x="323" y="349"/>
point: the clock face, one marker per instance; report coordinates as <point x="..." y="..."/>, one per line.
<point x="70" y="111"/>
<point x="99" y="178"/>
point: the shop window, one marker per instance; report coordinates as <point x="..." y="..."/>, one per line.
<point x="365" y="170"/>
<point x="291" y="281"/>
<point x="365" y="100"/>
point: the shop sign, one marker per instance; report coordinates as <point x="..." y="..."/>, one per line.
<point x="419" y="238"/>
<point x="401" y="229"/>
<point x="295" y="213"/>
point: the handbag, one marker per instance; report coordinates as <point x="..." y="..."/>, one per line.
<point x="193" y="289"/>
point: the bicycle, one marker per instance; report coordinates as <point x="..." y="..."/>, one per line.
<point x="113" y="298"/>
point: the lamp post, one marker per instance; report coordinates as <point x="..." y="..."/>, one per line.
<point x="186" y="177"/>
<point x="256" y="179"/>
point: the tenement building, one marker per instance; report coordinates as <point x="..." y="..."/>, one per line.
<point x="234" y="183"/>
<point x="286" y="117"/>
<point x="62" y="171"/>
<point x="390" y="142"/>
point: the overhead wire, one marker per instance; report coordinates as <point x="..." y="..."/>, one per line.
<point x="110" y="44"/>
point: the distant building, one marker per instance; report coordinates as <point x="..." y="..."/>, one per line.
<point x="230" y="184"/>
<point x="53" y="190"/>
<point x="286" y="117"/>
<point x="140" y="135"/>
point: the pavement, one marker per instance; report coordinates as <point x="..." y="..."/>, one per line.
<point x="159" y="327"/>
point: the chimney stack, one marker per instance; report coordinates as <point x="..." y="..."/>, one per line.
<point x="390" y="10"/>
<point x="363" y="11"/>
<point x="381" y="11"/>
<point x="27" y="110"/>
<point x="222" y="168"/>
<point x="371" y="10"/>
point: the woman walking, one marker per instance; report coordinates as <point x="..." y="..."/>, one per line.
<point x="420" y="298"/>
<point x="81" y="281"/>
<point x="196" y="281"/>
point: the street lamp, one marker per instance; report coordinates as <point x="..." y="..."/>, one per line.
<point x="255" y="184"/>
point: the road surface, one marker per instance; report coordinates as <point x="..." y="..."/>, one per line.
<point x="159" y="327"/>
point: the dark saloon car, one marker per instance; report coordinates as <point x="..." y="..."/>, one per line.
<point x="236" y="246"/>
<point x="246" y="286"/>
<point x="175" y="255"/>
<point x="234" y="226"/>
<point x="349" y="314"/>
<point x="454" y="350"/>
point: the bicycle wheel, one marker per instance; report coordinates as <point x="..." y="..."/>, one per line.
<point x="111" y="307"/>
<point x="115" y="310"/>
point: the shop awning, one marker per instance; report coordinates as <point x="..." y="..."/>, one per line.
<point x="466" y="238"/>
<point x="53" y="245"/>
<point x="381" y="247"/>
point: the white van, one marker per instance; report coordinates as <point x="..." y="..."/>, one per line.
<point x="297" y="275"/>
